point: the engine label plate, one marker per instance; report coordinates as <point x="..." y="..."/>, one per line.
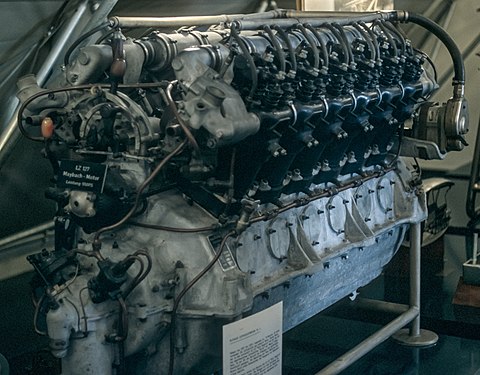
<point x="82" y="175"/>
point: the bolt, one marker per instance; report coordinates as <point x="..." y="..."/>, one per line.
<point x="256" y="237"/>
<point x="95" y="5"/>
<point x="272" y="231"/>
<point x="268" y="57"/>
<point x="344" y="257"/>
<point x="288" y="224"/>
<point x="177" y="64"/>
<point x="326" y="265"/>
<point x="392" y="121"/>
<point x="315" y="243"/>
<point x="305" y="217"/>
<point x="319" y="212"/>
<point x="83" y="58"/>
<point x="211" y="143"/>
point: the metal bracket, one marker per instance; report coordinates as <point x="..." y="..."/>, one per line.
<point x="422" y="149"/>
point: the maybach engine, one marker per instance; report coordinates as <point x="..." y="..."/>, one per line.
<point x="206" y="173"/>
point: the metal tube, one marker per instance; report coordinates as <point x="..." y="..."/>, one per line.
<point x="370" y="343"/>
<point x="11" y="135"/>
<point x="20" y="245"/>
<point x="132" y="22"/>
<point x="382" y="306"/>
<point x="415" y="248"/>
<point x="247" y="24"/>
<point x="290" y="13"/>
<point x="59" y="46"/>
<point x="14" y="238"/>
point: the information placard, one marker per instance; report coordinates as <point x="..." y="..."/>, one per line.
<point x="253" y="345"/>
<point x="82" y="175"/>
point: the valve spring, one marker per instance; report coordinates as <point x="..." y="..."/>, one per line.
<point x="320" y="87"/>
<point x="400" y="72"/>
<point x="389" y="74"/>
<point x="337" y="84"/>
<point x="350" y="79"/>
<point x="272" y="95"/>
<point x="376" y="77"/>
<point x="413" y="70"/>
<point x="288" y="92"/>
<point x="364" y="80"/>
<point x="305" y="90"/>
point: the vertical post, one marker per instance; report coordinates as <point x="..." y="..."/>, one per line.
<point x="415" y="256"/>
<point x="414" y="336"/>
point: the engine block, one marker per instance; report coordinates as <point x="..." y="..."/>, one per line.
<point x="205" y="174"/>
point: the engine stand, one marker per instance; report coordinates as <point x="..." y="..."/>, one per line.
<point x="413" y="336"/>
